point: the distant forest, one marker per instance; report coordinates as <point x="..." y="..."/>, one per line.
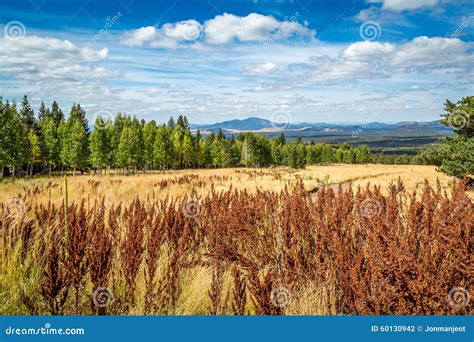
<point x="49" y="142"/>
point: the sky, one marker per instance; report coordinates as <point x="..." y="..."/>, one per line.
<point x="214" y="60"/>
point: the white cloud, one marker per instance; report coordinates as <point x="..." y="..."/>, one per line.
<point x="34" y="57"/>
<point x="252" y="28"/>
<point x="185" y="30"/>
<point x="367" y="50"/>
<point x="168" y="36"/>
<point x="222" y="29"/>
<point x="140" y="36"/>
<point x="374" y="60"/>
<point x="261" y="69"/>
<point x="424" y="54"/>
<point x="404" y="5"/>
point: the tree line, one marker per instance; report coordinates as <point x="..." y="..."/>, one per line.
<point x="50" y="142"/>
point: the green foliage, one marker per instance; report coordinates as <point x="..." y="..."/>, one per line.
<point x="51" y="142"/>
<point x="455" y="155"/>
<point x="460" y="116"/>
<point x="163" y="148"/>
<point x="133" y="144"/>
<point x="72" y="144"/>
<point x="99" y="145"/>
<point x="149" y="136"/>
<point x="34" y="155"/>
<point x="13" y="138"/>
<point x="188" y="152"/>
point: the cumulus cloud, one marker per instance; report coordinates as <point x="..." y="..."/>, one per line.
<point x="222" y="29"/>
<point x="424" y="54"/>
<point x="33" y="57"/>
<point x="261" y="69"/>
<point x="404" y="5"/>
<point x="367" y="50"/>
<point x="370" y="60"/>
<point x="252" y="28"/>
<point x="168" y="36"/>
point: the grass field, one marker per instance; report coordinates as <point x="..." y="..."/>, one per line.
<point x="174" y="183"/>
<point x="238" y="241"/>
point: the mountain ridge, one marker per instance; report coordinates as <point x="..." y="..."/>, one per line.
<point x="265" y="126"/>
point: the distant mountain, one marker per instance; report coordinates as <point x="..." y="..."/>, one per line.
<point x="249" y="124"/>
<point x="309" y="130"/>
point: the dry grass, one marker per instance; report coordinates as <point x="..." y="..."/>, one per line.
<point x="124" y="189"/>
<point x="238" y="241"/>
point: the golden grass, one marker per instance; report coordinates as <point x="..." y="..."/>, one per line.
<point x="117" y="188"/>
<point x="21" y="277"/>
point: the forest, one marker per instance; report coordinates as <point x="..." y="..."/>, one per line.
<point x="51" y="142"/>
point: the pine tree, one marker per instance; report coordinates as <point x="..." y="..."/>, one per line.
<point x="43" y="113"/>
<point x="171" y="123"/>
<point x="180" y="122"/>
<point x="56" y="113"/>
<point x="185" y="122"/>
<point x="231" y="155"/>
<point x="27" y="114"/>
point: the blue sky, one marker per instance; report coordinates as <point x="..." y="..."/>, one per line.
<point x="213" y="60"/>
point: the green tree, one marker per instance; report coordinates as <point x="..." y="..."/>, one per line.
<point x="13" y="139"/>
<point x="177" y="140"/>
<point x="454" y="156"/>
<point x="163" y="148"/>
<point x="100" y="146"/>
<point x="34" y="153"/>
<point x="51" y="142"/>
<point x="460" y="116"/>
<point x="27" y="114"/>
<point x="56" y="113"/>
<point x="72" y="144"/>
<point x="149" y="136"/>
<point x="188" y="149"/>
<point x="78" y="115"/>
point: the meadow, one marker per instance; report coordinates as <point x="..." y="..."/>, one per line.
<point x="324" y="240"/>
